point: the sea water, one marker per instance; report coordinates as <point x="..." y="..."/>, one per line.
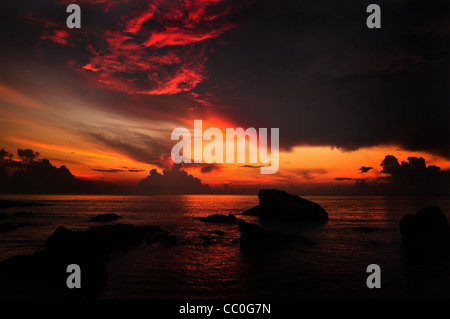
<point x="334" y="268"/>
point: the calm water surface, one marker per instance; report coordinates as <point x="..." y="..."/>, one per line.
<point x="334" y="268"/>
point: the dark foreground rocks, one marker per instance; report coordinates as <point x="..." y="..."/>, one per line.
<point x="44" y="273"/>
<point x="426" y="234"/>
<point x="105" y="218"/>
<point x="278" y="204"/>
<point x="255" y="238"/>
<point x="219" y="218"/>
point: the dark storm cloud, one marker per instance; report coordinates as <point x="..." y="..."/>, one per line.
<point x="315" y="70"/>
<point x="39" y="176"/>
<point x="412" y="177"/>
<point x="172" y="181"/>
<point x="415" y="175"/>
<point x="27" y="154"/>
<point x="365" y="169"/>
<point x="311" y="68"/>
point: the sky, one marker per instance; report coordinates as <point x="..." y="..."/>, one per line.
<point x="103" y="100"/>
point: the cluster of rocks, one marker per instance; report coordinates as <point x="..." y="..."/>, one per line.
<point x="425" y="234"/>
<point x="273" y="204"/>
<point x="43" y="273"/>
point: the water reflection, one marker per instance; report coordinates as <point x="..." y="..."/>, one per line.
<point x="335" y="267"/>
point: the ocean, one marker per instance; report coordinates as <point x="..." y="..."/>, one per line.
<point x="334" y="268"/>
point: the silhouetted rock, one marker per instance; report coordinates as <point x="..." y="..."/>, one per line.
<point x="274" y="203"/>
<point x="105" y="218"/>
<point x="43" y="274"/>
<point x="99" y="241"/>
<point x="365" y="229"/>
<point x="219" y="218"/>
<point x="426" y="234"/>
<point x="4" y="216"/>
<point x="255" y="238"/>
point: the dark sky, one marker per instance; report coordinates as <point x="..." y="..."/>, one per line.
<point x="314" y="69"/>
<point x="311" y="68"/>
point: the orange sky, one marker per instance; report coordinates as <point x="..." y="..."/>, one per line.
<point x="27" y="123"/>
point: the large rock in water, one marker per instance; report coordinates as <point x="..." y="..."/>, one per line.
<point x="279" y="204"/>
<point x="426" y="234"/>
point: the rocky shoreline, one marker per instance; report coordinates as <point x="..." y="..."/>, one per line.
<point x="425" y="235"/>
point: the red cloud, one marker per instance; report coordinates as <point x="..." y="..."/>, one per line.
<point x="155" y="48"/>
<point x="51" y="30"/>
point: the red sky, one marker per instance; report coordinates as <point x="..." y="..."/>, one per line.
<point x="103" y="100"/>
